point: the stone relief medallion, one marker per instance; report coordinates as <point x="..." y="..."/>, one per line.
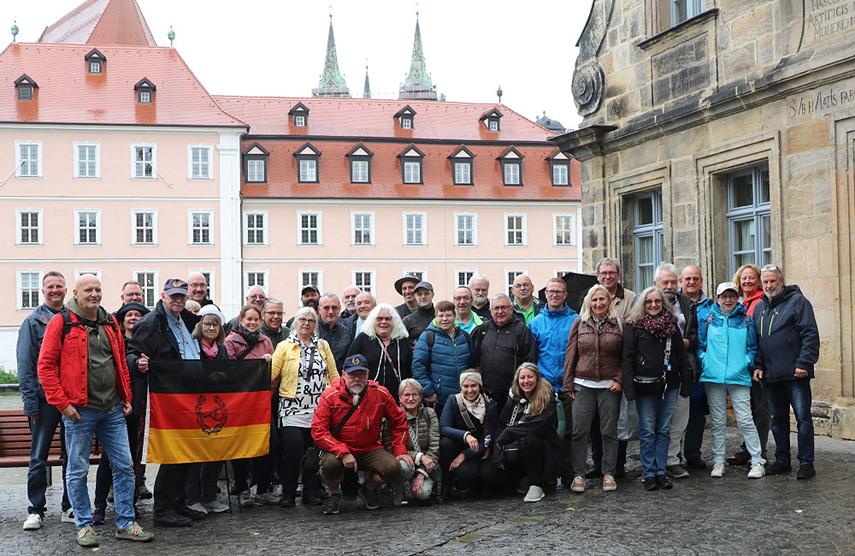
<point x="588" y="87"/>
<point x="588" y="76"/>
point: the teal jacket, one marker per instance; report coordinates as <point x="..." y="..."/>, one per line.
<point x="727" y="345"/>
<point x="551" y="330"/>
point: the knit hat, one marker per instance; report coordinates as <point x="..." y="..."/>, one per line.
<point x="128" y="307"/>
<point x="472" y="375"/>
<point x="211" y="310"/>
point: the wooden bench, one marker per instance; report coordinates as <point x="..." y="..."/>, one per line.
<point x="16" y="440"/>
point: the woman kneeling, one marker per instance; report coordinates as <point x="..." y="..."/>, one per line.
<point x="422" y="443"/>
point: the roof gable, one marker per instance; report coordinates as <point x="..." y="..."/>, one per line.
<point x="298" y="108"/>
<point x="411" y="152"/>
<point x="256" y="149"/>
<point x="145" y="83"/>
<point x="25" y="80"/>
<point x="511" y="153"/>
<point x="492" y="113"/>
<point x="405" y="111"/>
<point x="95" y="55"/>
<point x="360" y="150"/>
<point x="307" y="149"/>
<point x="462" y="152"/>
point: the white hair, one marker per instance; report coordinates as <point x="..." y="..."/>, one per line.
<point x="398" y="329"/>
<point x="665" y="267"/>
<point x="479" y="278"/>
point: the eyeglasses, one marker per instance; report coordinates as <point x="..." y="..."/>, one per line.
<point x="608" y="273"/>
<point x="462" y="297"/>
<point x="211" y="324"/>
<point x="304" y="320"/>
<point x="555" y="292"/>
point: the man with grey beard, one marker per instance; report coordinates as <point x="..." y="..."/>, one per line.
<point x="480" y="287"/>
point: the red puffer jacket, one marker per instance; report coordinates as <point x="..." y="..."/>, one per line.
<point x="361" y="433"/>
<point x="64" y="364"/>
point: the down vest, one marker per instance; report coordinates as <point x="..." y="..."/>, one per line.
<point x="726" y="347"/>
<point x="437" y="369"/>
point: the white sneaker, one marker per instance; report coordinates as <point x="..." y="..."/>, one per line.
<point x="67" y="516"/>
<point x="33" y="522"/>
<point x="198" y="507"/>
<point x="535" y="494"/>
<point x="717" y="470"/>
<point x="758" y="471"/>
<point x="215" y="506"/>
<point x="247" y="500"/>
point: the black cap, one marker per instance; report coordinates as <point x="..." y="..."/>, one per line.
<point x="424" y="286"/>
<point x="128" y="307"/>
<point x="310" y="288"/>
<point x="356" y="362"/>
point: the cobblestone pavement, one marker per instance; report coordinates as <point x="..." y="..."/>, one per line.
<point x="774" y="515"/>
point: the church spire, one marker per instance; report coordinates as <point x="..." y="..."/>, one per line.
<point x="331" y="84"/>
<point x="366" y="89"/>
<point x="418" y="84"/>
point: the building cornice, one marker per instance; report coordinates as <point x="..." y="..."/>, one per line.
<point x="400" y="140"/>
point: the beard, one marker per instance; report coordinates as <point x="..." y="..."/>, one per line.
<point x="479" y="300"/>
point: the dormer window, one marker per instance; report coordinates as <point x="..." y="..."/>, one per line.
<point x="411" y="165"/>
<point x="559" y="165"/>
<point x="255" y="161"/>
<point x="25" y="87"/>
<point x="308" y="158"/>
<point x="461" y="166"/>
<point x="511" y="165"/>
<point x="145" y="91"/>
<point x="406" y="117"/>
<point x="360" y="164"/>
<point x="95" y="61"/>
<point x="299" y="115"/>
<point x="491" y="118"/>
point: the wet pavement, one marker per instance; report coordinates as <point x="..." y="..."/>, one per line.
<point x="701" y="515"/>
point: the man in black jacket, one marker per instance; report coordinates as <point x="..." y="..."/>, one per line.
<point x="162" y="335"/>
<point x="417" y="321"/>
<point x="499" y="346"/>
<point x="787" y="350"/>
<point x="334" y="329"/>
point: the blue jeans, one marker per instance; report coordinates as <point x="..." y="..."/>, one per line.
<point x="782" y="395"/>
<point x="112" y="432"/>
<point x="42" y="431"/>
<point x="654" y="422"/>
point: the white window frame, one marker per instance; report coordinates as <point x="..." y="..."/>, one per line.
<point x="463" y="163"/>
<point x="560" y="272"/>
<point x="573" y="239"/>
<point x="563" y="169"/>
<point x="493" y="124"/>
<point x="406" y="122"/>
<point x="265" y="275"/>
<point x="373" y="274"/>
<point x="423" y="216"/>
<point x="19" y="229"/>
<point x="145" y="97"/>
<point x="77" y="145"/>
<point x="311" y="165"/>
<point x="134" y="213"/>
<point x="417" y="161"/>
<point x="190" y="213"/>
<point x="19" y="160"/>
<point x="509" y="284"/>
<point x="353" y="175"/>
<point x="693" y="8"/>
<point x="474" y="216"/>
<point x="459" y="271"/>
<point x="301" y="284"/>
<point x="372" y="237"/>
<point x="648" y="231"/>
<point x="300" y="120"/>
<point x="95" y="66"/>
<point x="19" y="288"/>
<point x="319" y="216"/>
<point x="263" y="163"/>
<point x="155" y="288"/>
<point x="134" y="147"/>
<point x="77" y="226"/>
<point x="515" y="163"/>
<point x="264" y="229"/>
<point x="524" y="223"/>
<point x="209" y="175"/>
<point x="758" y="213"/>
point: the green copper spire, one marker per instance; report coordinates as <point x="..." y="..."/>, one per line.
<point x="418" y="84"/>
<point x="332" y="84"/>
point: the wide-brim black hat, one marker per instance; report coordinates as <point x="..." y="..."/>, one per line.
<point x="399" y="283"/>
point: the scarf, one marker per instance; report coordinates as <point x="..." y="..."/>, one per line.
<point x="478" y="407"/>
<point x="210" y="351"/>
<point x="311" y="360"/>
<point x="251" y="338"/>
<point x="599" y="323"/>
<point x="661" y="326"/>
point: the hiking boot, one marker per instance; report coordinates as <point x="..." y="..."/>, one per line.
<point x="86" y="537"/>
<point x="143" y="493"/>
<point x="33" y="522"/>
<point x="717" y="471"/>
<point x="332" y="504"/>
<point x="650" y="483"/>
<point x="266" y="499"/>
<point x="778" y="468"/>
<point x="172" y="519"/>
<point x="578" y="484"/>
<point x="98" y="516"/>
<point x="609" y="483"/>
<point x="134" y="533"/>
<point x="677" y="471"/>
<point x="663" y="482"/>
<point x="535" y="494"/>
<point x="758" y="470"/>
<point x="369" y="498"/>
<point x="806" y="471"/>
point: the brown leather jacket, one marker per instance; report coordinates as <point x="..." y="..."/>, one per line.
<point x="593" y="356"/>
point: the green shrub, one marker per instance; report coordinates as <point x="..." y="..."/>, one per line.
<point x="7" y="378"/>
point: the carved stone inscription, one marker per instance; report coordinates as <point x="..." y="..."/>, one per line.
<point x="681" y="69"/>
<point x="840" y="96"/>
<point x="825" y="19"/>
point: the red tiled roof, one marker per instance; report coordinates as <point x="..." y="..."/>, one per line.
<point x="355" y="117"/>
<point x="101" y="22"/>
<point x="386" y="179"/>
<point x="67" y="93"/>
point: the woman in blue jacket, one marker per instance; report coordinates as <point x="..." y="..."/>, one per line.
<point x="442" y="353"/>
<point x="726" y="349"/>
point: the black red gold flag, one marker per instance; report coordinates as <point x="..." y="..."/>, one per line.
<point x="207" y="411"/>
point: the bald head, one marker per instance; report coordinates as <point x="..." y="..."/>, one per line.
<point x="197" y="287"/>
<point x="87" y="293"/>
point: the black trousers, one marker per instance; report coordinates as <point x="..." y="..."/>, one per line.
<point x="472" y="474"/>
<point x="201" y="485"/>
<point x="293" y="442"/>
<point x="169" y="487"/>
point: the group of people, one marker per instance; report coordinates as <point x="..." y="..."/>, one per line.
<point x="427" y="400"/>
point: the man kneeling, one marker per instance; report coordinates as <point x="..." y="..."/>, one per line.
<point x="346" y="428"/>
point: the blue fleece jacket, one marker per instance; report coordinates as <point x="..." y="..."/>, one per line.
<point x="727" y="346"/>
<point x="551" y="330"/>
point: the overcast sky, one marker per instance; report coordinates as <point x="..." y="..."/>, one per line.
<point x="277" y="47"/>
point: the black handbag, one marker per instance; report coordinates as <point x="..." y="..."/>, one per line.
<point x="506" y="455"/>
<point x="654" y="385"/>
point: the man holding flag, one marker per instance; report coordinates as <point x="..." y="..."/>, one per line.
<point x="165" y="335"/>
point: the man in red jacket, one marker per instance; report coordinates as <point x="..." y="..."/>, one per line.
<point x="346" y="428"/>
<point x="84" y="375"/>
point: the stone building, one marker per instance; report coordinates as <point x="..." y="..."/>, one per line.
<point x="723" y="132"/>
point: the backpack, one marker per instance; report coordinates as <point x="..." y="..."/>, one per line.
<point x="430" y="338"/>
<point x="68" y="324"/>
